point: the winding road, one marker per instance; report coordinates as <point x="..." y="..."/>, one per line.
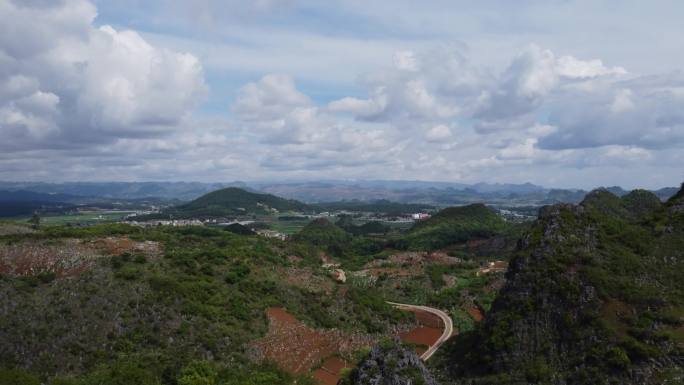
<point x="446" y="320"/>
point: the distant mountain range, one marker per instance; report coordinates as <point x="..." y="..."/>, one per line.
<point x="433" y="193"/>
<point x="21" y="202"/>
<point x="119" y="190"/>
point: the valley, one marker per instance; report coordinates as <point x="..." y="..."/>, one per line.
<point x="300" y="192"/>
<point x="231" y="304"/>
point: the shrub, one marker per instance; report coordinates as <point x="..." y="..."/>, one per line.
<point x="198" y="373"/>
<point x="17" y="377"/>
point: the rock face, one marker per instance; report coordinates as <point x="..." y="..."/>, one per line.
<point x="534" y="325"/>
<point x="391" y="365"/>
<point x="593" y="296"/>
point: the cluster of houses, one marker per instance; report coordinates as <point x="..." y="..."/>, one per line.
<point x="169" y="222"/>
<point x="420" y="216"/>
<point x="272" y="234"/>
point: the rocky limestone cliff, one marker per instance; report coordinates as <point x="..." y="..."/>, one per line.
<point x="593" y="296"/>
<point x="390" y="364"/>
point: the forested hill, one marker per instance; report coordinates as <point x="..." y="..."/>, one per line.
<point x="234" y="201"/>
<point x="455" y="225"/>
<point x="593" y="296"/>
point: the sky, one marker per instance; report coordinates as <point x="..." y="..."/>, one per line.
<point x="560" y="93"/>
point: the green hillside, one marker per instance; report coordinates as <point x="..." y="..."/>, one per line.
<point x="455" y="225"/>
<point x="235" y="201"/>
<point x="161" y="305"/>
<point x="593" y="296"/>
<point x="322" y="232"/>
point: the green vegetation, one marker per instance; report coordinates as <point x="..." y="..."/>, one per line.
<point x="599" y="286"/>
<point x="346" y="222"/>
<point x="237" y="228"/>
<point x="289" y="227"/>
<point x="323" y="233"/>
<point x="140" y="318"/>
<point x="593" y="292"/>
<point x="455" y="225"/>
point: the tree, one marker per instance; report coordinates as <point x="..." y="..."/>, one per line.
<point x="35" y="220"/>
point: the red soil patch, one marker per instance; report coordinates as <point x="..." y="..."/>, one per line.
<point x="69" y="257"/>
<point x="32" y="258"/>
<point x="426" y="334"/>
<point x="335" y="364"/>
<point x="405" y="258"/>
<point x="119" y="245"/>
<point x="442" y="258"/>
<point x="329" y="372"/>
<point x="422" y="335"/>
<point x="297" y="348"/>
<point x="476" y="313"/>
<point x="326" y="378"/>
<point x="415" y="258"/>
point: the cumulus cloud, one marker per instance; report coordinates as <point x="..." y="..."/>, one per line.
<point x="269" y="98"/>
<point x="65" y="82"/>
<point x="644" y="112"/>
<point x="302" y="134"/>
<point x="529" y="79"/>
<point x="91" y="99"/>
<point x="443" y="85"/>
<point x="435" y="85"/>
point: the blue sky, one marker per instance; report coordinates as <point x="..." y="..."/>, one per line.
<point x="558" y="93"/>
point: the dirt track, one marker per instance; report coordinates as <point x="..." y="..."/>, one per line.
<point x="446" y="320"/>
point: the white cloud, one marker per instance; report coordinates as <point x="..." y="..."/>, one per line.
<point x="89" y="99"/>
<point x="435" y="85"/>
<point x="406" y="61"/>
<point x="573" y="68"/>
<point x="269" y="98"/>
<point x="438" y="133"/>
<point x="643" y="112"/>
<point x="361" y="108"/>
<point x="531" y="77"/>
<point x="67" y="82"/>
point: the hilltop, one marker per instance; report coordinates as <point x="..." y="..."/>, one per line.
<point x="322" y="232"/>
<point x="455" y="225"/>
<point x="234" y="201"/>
<point x="593" y="296"/>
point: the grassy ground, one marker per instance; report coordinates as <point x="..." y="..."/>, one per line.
<point x="288" y="227"/>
